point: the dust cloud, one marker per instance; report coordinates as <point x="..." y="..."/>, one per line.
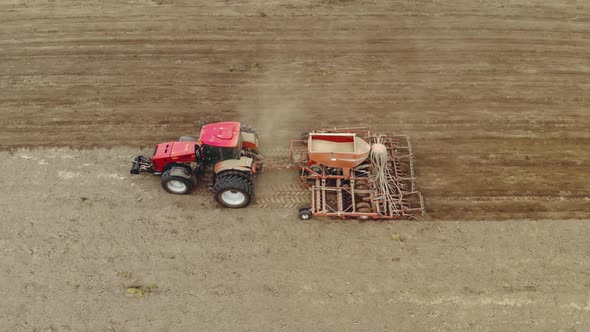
<point x="273" y="108"/>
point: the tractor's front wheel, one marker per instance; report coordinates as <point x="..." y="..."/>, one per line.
<point x="176" y="184"/>
<point x="233" y="191"/>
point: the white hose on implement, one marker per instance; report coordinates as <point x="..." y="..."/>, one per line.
<point x="384" y="182"/>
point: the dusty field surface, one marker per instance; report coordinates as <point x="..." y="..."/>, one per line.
<point x="493" y="93"/>
<point x="78" y="231"/>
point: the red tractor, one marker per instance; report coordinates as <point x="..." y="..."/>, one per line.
<point x="225" y="156"/>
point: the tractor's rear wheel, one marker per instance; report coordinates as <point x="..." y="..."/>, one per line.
<point x="176" y="184"/>
<point x="233" y="191"/>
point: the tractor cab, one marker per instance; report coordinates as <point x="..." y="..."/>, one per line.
<point x="220" y="141"/>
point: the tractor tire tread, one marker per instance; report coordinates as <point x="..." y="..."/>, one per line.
<point x="234" y="182"/>
<point x="241" y="174"/>
<point x="166" y="177"/>
<point x="363" y="205"/>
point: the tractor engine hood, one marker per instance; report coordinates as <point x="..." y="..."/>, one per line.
<point x="174" y="150"/>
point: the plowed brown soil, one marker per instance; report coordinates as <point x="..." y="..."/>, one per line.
<point x="494" y="94"/>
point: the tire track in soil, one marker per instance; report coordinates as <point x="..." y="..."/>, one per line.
<point x="279" y="196"/>
<point x="283" y="191"/>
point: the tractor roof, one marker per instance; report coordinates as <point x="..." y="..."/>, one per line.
<point x="222" y="134"/>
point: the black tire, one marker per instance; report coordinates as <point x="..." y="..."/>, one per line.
<point x="233" y="172"/>
<point x="174" y="184"/>
<point x="363" y="205"/>
<point x="316" y="168"/>
<point x="364" y="210"/>
<point x="233" y="191"/>
<point x="187" y="139"/>
<point x="362" y="187"/>
<point x="305" y="214"/>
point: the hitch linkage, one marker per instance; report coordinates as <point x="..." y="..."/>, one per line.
<point x="141" y="164"/>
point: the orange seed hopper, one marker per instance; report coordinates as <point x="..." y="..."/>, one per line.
<point x="344" y="150"/>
